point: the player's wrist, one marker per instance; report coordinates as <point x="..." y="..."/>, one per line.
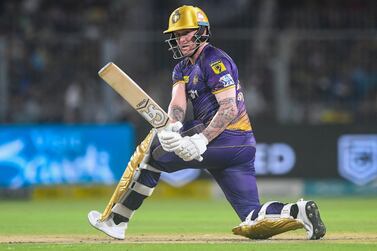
<point x="203" y="138"/>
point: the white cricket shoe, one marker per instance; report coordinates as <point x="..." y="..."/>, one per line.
<point x="108" y="226"/>
<point x="308" y="213"/>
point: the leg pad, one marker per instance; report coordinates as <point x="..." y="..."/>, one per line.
<point x="142" y="152"/>
<point x="267" y="228"/>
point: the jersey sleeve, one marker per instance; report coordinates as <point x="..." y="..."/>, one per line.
<point x="177" y="74"/>
<point x="220" y="75"/>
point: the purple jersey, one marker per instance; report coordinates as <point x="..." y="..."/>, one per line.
<point x="213" y="72"/>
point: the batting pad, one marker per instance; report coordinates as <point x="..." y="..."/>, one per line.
<point x="267" y="228"/>
<point x="142" y="151"/>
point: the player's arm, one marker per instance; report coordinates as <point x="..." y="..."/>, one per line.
<point x="192" y="147"/>
<point x="226" y="113"/>
<point x="169" y="138"/>
<point x="178" y="104"/>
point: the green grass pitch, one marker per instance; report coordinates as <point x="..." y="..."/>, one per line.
<point x="177" y="224"/>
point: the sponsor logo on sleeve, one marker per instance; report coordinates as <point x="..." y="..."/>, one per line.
<point x="226" y="80"/>
<point x="218" y="67"/>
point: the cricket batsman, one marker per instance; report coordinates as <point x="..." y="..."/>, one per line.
<point x="220" y="139"/>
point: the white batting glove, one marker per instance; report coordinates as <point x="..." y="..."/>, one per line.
<point x="192" y="147"/>
<point x="173" y="127"/>
<point x="169" y="137"/>
<point x="169" y="141"/>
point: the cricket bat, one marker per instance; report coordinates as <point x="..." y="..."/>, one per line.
<point x="134" y="95"/>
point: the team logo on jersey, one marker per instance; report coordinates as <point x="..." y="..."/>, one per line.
<point x="195" y="79"/>
<point x="176" y="16"/>
<point x="186" y="79"/>
<point x="193" y="94"/>
<point x="227" y="80"/>
<point x="218" y="67"/>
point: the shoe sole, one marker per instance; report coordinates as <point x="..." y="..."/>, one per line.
<point x="312" y="212"/>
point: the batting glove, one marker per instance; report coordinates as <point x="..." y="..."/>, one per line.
<point x="192" y="147"/>
<point x="169" y="137"/>
<point x="173" y="127"/>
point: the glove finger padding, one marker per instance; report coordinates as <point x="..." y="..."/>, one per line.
<point x="169" y="140"/>
<point x="192" y="147"/>
<point x="200" y="142"/>
<point x="170" y="148"/>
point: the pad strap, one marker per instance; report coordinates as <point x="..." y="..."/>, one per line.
<point x="286" y="211"/>
<point x="122" y="210"/>
<point x="263" y="210"/>
<point x="142" y="189"/>
<point x="248" y="218"/>
<point x="149" y="167"/>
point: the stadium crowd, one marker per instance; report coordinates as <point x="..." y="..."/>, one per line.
<point x="55" y="48"/>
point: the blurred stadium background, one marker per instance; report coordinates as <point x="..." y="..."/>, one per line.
<point x="308" y="68"/>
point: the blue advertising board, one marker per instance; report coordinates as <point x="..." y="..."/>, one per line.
<point x="64" y="154"/>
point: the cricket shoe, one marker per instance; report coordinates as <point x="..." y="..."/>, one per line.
<point x="108" y="226"/>
<point x="308" y="213"/>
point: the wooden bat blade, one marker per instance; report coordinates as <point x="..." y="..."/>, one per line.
<point x="134" y="95"/>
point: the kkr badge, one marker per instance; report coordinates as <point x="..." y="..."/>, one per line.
<point x="176" y="16"/>
<point x="218" y="67"/>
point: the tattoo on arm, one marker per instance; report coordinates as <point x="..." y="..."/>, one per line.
<point x="177" y="113"/>
<point x="224" y="116"/>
